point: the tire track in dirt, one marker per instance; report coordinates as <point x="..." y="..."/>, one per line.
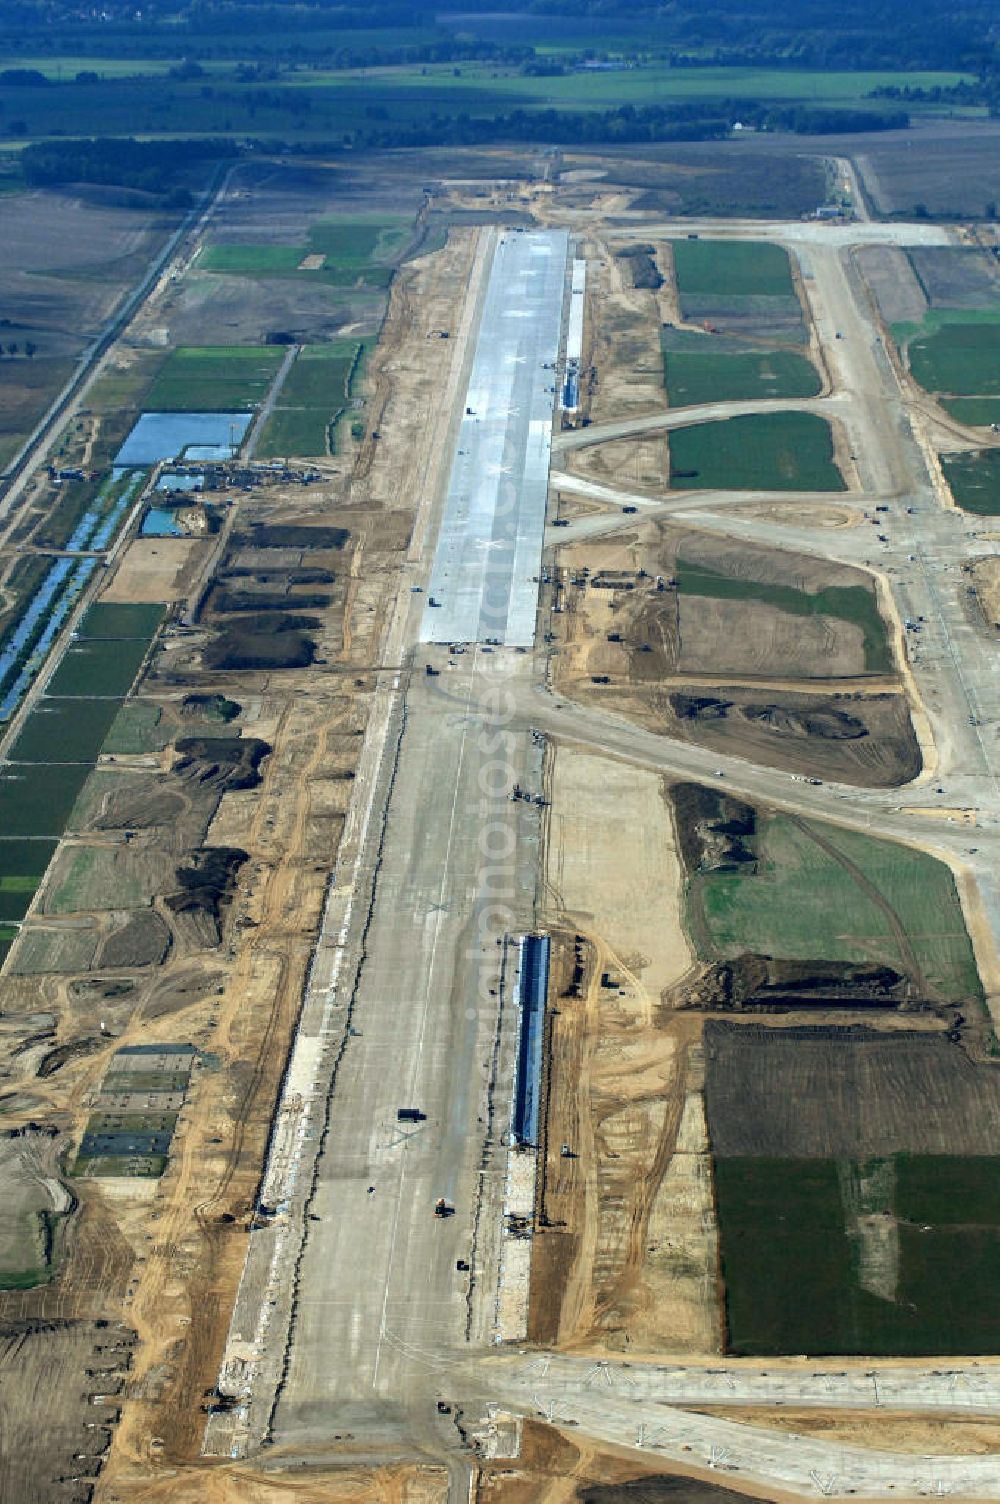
<point x="907" y="954"/>
<point x="647" y="1186"/>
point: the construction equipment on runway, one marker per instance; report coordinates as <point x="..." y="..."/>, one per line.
<point x="442" y="1209"/>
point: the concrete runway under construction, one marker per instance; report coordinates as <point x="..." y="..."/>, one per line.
<point x="485" y="575"/>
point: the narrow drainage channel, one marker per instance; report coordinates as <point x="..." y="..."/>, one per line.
<point x="25" y="653"/>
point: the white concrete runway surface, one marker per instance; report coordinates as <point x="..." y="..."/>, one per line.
<point x="489" y="550"/>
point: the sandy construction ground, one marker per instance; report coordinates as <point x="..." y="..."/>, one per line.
<point x="612" y="870"/>
<point x="628" y="1256"/>
<point x="155" y="569"/>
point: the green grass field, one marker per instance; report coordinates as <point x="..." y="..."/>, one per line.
<point x="711" y="377"/>
<point x="22" y="867"/>
<point x="137" y="728"/>
<point x="353" y="242"/>
<point x="974" y="479"/>
<point x="961" y="357"/>
<point x="851" y="603"/>
<point x="295" y="431"/>
<point x="737" y="268"/>
<point x="319" y="376"/>
<point x="977" y="412"/>
<point x="785" y="451"/>
<point x="99" y="668"/>
<point x="214" y="378"/>
<point x="791" y="1257"/>
<point x="852" y="898"/>
<point x="251" y="260"/>
<point x="117" y="621"/>
<point x="65" y="731"/>
<point x="36" y="799"/>
<point x="355" y="247"/>
<point x="314" y="391"/>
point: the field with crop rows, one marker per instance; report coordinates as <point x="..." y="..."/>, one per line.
<point x="214" y="378"/>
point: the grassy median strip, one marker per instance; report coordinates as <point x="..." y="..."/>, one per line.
<point x="786" y="451"/>
<point x="714" y="377"/>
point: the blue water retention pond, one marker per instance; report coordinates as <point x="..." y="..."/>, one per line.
<point x="171" y="436"/>
<point x="161" y="522"/>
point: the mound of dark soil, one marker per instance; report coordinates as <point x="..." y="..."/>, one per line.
<point x="210" y="705"/>
<point x="241" y="648"/>
<point x="100" y="989"/>
<point x="699" y="707"/>
<point x="64" y="1053"/>
<point x="291" y="535"/>
<point x="311" y="576"/>
<point x="831" y="725"/>
<point x="207" y="882"/>
<point x="658" y="1490"/>
<point x="227" y="762"/>
<point x="268" y="600"/>
<point x="715" y="833"/>
<point x="764" y="985"/>
<point x="641" y="265"/>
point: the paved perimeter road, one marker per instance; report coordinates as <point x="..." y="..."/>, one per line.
<point x="485" y="574"/>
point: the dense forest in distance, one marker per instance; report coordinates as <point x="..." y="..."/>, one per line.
<point x="854" y="34"/>
<point x="320" y="75"/>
